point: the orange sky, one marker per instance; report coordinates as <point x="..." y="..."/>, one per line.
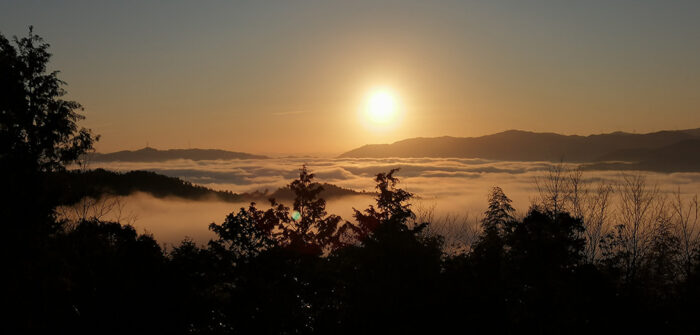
<point x="275" y="77"/>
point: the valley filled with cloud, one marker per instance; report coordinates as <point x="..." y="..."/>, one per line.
<point x="451" y="190"/>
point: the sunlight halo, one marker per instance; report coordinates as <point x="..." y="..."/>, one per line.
<point x="381" y="109"/>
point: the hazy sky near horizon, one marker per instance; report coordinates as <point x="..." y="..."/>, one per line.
<point x="290" y="76"/>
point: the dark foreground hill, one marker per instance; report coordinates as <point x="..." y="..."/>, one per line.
<point x="75" y="185"/>
<point x="154" y="155"/>
<point x="516" y="145"/>
<point x="71" y="186"/>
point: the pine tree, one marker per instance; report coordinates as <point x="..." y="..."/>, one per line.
<point x="499" y="213"/>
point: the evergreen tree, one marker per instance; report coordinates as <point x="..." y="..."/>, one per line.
<point x="499" y="213"/>
<point x="38" y="133"/>
<point x="37" y="126"/>
<point x="497" y="223"/>
<point x="311" y="229"/>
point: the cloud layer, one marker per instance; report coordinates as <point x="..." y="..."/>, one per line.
<point x="450" y="186"/>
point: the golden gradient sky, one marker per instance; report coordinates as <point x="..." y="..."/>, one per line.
<point x="290" y="76"/>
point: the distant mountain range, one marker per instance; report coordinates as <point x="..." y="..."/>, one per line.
<point x="154" y="155"/>
<point x="665" y="151"/>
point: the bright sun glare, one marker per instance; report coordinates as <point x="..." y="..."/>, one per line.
<point x="381" y="108"/>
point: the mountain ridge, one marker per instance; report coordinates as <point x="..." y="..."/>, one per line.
<point x="149" y="154"/>
<point x="520" y="145"/>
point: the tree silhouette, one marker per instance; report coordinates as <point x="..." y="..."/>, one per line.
<point x="490" y="248"/>
<point x="499" y="212"/>
<point x="38" y="135"/>
<point x="38" y="127"/>
<point x="390" y="277"/>
<point x="38" y="130"/>
<point x="544" y="252"/>
<point x="249" y="232"/>
<point x="488" y="257"/>
<point x="311" y="229"/>
<point x="392" y="212"/>
<point x="269" y="261"/>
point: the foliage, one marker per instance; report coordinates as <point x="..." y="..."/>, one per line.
<point x="38" y="134"/>
<point x="392" y="212"/>
<point x="313" y="230"/>
<point x="37" y="126"/>
<point x="250" y="231"/>
<point x="499" y="213"/>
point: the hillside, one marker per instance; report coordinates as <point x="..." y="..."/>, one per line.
<point x="71" y="186"/>
<point x="74" y="185"/>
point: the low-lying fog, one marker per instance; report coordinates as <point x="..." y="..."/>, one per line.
<point x="454" y="187"/>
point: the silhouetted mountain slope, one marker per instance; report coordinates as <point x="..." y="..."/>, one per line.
<point x="683" y="156"/>
<point x="71" y="186"/>
<point x="692" y="132"/>
<point x="519" y="145"/>
<point x="154" y="155"/>
<point x="74" y="185"/>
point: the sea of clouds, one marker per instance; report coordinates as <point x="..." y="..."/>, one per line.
<point x="447" y="187"/>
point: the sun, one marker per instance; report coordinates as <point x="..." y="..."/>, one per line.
<point x="381" y="110"/>
<point x="381" y="107"/>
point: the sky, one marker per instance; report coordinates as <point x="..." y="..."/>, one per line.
<point x="293" y="77"/>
